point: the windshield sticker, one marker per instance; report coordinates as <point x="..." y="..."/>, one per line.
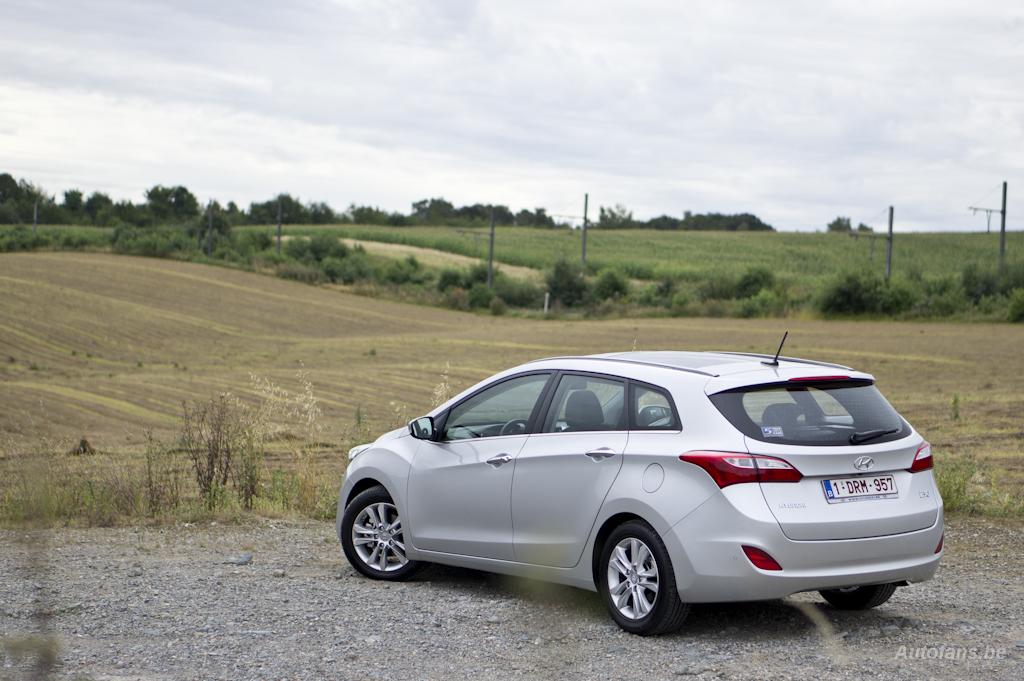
<point x="772" y="431"/>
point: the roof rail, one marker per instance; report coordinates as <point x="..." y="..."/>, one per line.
<point x="629" y="361"/>
<point x="796" y="360"/>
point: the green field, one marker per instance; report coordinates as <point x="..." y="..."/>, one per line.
<point x="806" y="258"/>
<point x="107" y="347"/>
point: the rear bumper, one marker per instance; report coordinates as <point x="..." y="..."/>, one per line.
<point x="710" y="565"/>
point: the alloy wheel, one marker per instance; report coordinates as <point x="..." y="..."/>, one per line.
<point x="633" y="578"/>
<point x="377" y="537"/>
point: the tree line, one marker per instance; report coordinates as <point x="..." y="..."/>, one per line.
<point x="22" y="202"/>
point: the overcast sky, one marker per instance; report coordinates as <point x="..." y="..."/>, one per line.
<point x="796" y="111"/>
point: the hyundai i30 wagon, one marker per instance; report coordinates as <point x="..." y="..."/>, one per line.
<point x="658" y="479"/>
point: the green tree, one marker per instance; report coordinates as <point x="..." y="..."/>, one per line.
<point x="840" y="224"/>
<point x="566" y="283"/>
<point x="616" y="217"/>
<point x="73" y="202"/>
<point x="97" y="204"/>
<point x="171" y="204"/>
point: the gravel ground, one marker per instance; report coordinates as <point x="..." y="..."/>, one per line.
<point x="164" y="603"/>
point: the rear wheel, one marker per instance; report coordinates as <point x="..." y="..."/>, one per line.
<point x="859" y="597"/>
<point x="373" y="538"/>
<point x="637" y="581"/>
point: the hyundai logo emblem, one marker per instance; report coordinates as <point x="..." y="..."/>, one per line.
<point x="863" y="463"/>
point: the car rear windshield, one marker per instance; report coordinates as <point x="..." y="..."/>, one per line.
<point x="826" y="413"/>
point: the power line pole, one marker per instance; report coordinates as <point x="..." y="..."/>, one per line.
<point x="209" y="229"/>
<point x="1002" y="232"/>
<point x="888" y="249"/>
<point x="490" y="254"/>
<point x="586" y="199"/>
<point x="279" y="225"/>
<point x="35" y="217"/>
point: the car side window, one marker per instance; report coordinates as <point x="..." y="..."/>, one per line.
<point x="586" y="403"/>
<point x="502" y="409"/>
<point x="651" y="409"/>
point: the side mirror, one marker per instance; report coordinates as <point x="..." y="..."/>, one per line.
<point x="422" y="428"/>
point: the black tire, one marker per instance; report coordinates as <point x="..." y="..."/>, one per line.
<point x="365" y="499"/>
<point x="668" y="612"/>
<point x="859" y="598"/>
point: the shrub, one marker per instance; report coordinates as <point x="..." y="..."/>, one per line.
<point x="764" y="304"/>
<point x="448" y="278"/>
<point x="754" y="281"/>
<point x="333" y="268"/>
<point x="212" y="433"/>
<point x="859" y="293"/>
<point x="298" y="271"/>
<point x="154" y="242"/>
<point x="324" y="246"/>
<point x="1016" y="312"/>
<point x="498" y="306"/>
<point x="355" y="268"/>
<point x="22" y="239"/>
<point x="978" y="283"/>
<point x="566" y="283"/>
<point x="404" y="271"/>
<point x="480" y="295"/>
<point x="717" y="287"/>
<point x="457" y="298"/>
<point x="297" y="248"/>
<point x="516" y="292"/>
<point x="681" y="303"/>
<point x="611" y="284"/>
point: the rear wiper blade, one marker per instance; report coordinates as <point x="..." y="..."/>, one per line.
<point x="865" y="435"/>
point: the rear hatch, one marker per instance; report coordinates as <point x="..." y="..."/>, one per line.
<point x="852" y="448"/>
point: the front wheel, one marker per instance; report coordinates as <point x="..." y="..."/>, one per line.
<point x="373" y="538"/>
<point x="859" y="597"/>
<point x="637" y="581"/>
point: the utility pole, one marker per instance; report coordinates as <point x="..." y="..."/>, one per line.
<point x="1002" y="232"/>
<point x="586" y="198"/>
<point x="279" y="225"/>
<point x="490" y="255"/>
<point x="35" y="217"/>
<point x="209" y="229"/>
<point x="888" y="249"/>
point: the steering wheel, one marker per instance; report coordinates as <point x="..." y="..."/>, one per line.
<point x="514" y="427"/>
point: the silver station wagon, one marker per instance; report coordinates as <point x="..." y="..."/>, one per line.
<point x="658" y="479"/>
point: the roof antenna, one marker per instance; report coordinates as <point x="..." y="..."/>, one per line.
<point x="775" y="359"/>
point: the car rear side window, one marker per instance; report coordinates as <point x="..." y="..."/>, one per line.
<point x="827" y="413"/>
<point x="651" y="409"/>
<point x="586" y="403"/>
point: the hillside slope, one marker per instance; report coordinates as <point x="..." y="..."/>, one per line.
<point x="107" y="346"/>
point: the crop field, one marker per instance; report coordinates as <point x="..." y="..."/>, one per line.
<point x="647" y="254"/>
<point x="108" y="347"/>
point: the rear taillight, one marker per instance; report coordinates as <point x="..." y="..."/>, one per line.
<point x="922" y="460"/>
<point x="942" y="538"/>
<point x="760" y="559"/>
<point x="728" y="468"/>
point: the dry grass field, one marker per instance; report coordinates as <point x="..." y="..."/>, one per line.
<point x="107" y="347"/>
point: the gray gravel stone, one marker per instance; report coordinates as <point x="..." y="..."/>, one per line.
<point x="182" y="620"/>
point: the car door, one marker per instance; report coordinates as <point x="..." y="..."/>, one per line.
<point x="460" y="486"/>
<point x="565" y="470"/>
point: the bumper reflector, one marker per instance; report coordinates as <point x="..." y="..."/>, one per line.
<point x="760" y="559"/>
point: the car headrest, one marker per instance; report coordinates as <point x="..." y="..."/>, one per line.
<point x="583" y="410"/>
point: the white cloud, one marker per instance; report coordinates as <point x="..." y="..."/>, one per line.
<point x="796" y="111"/>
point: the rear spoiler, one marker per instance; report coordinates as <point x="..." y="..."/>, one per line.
<point x="772" y="376"/>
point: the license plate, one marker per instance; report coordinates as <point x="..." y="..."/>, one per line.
<point x="839" y="490"/>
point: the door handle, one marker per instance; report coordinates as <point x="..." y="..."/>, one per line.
<point x="601" y="453"/>
<point x="499" y="460"/>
